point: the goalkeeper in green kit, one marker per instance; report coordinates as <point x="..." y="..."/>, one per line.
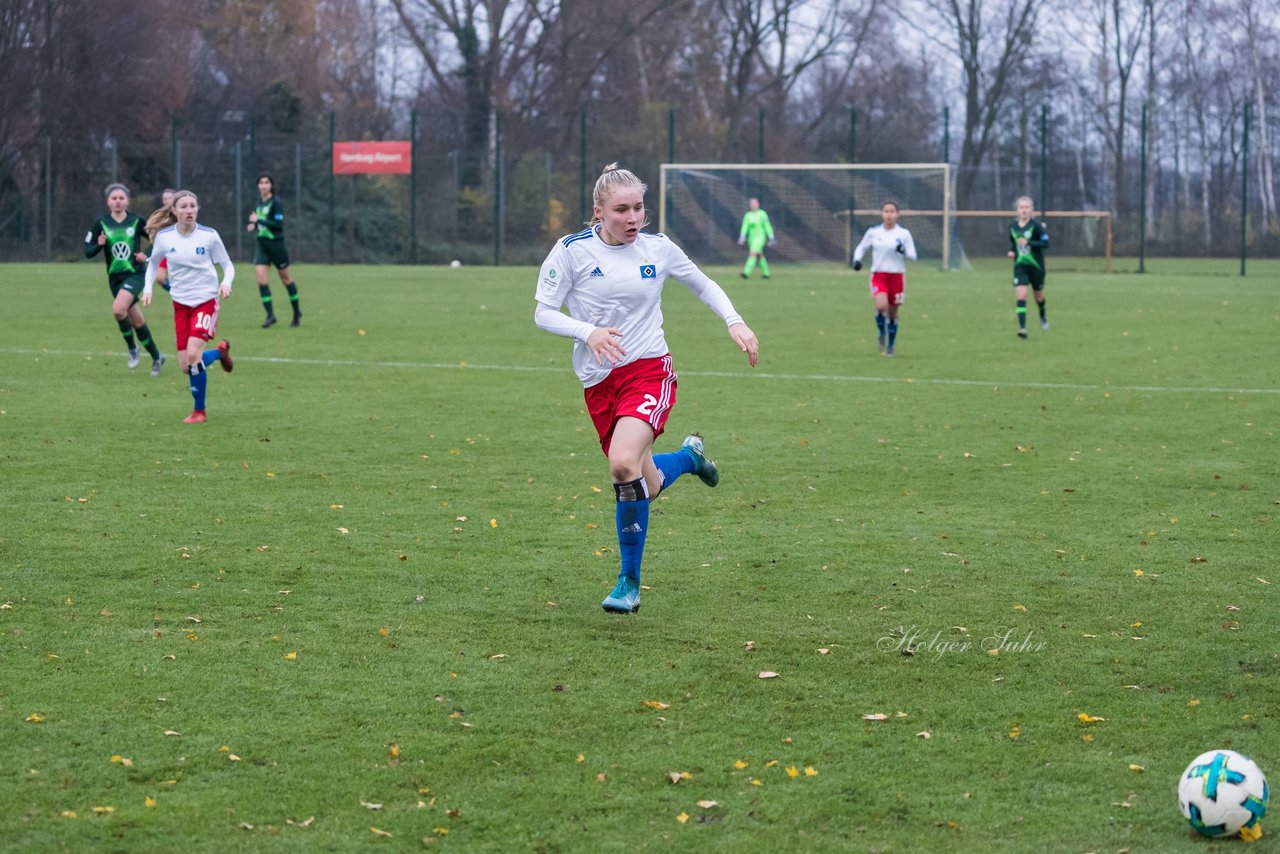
<point x="756" y="233"/>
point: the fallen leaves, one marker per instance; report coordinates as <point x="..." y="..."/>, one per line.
<point x="35" y="718"/>
<point x="1086" y="718"/>
<point x="654" y="704"/>
<point x="767" y="674"/>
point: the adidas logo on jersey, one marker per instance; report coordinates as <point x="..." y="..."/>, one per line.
<point x="597" y="273"/>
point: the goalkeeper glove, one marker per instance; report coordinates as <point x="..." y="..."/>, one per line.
<point x="772" y="241"/>
<point x="742" y="241"/>
<point x="857" y="265"/>
<point x="900" y="249"/>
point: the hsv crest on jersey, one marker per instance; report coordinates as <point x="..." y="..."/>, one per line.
<point x="648" y="271"/>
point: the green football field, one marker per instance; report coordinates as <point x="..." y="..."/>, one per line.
<point x="1009" y="588"/>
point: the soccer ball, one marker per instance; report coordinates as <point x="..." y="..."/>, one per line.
<point x="455" y="263"/>
<point x="1222" y="792"/>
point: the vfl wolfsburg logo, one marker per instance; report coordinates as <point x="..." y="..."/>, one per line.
<point x="120" y="251"/>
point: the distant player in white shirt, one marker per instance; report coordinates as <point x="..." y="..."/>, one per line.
<point x="189" y="251"/>
<point x="610" y="277"/>
<point x="890" y="246"/>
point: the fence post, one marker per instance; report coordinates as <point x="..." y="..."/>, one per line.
<point x="582" y="164"/>
<point x="297" y="180"/>
<point x="1244" y="190"/>
<point x="1142" y="196"/>
<point x="413" y="187"/>
<point x="497" y="189"/>
<point x="671" y="134"/>
<point x="331" y="188"/>
<point x="239" y="207"/>
<point x="1044" y="158"/>
<point x="946" y="134"/>
<point x="48" y="198"/>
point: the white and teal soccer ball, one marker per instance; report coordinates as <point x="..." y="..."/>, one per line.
<point x="1222" y="792"/>
<point x="455" y="263"/>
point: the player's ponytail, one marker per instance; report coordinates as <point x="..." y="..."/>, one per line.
<point x="612" y="179"/>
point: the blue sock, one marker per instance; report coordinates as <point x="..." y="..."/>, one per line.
<point x="893" y="331"/>
<point x="633" y="523"/>
<point x="880" y="319"/>
<point x="208" y="357"/>
<point x="199" y="380"/>
<point x="674" y="464"/>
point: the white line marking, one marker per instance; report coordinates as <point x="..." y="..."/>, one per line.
<point x="760" y="375"/>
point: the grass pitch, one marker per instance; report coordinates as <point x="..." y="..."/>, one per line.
<point x="361" y="605"/>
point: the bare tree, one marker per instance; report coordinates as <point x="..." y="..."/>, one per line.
<point x="1256" y="29"/>
<point x="1120" y="36"/>
<point x="989" y="39"/>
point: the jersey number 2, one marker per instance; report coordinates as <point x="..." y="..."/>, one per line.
<point x="646" y="408"/>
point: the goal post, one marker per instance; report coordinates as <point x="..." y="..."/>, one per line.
<point x="818" y="210"/>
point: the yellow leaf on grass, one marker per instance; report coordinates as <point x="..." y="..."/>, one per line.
<point x="654" y="704"/>
<point x="1086" y="718"/>
<point x="683" y="817"/>
<point x="493" y="523"/>
<point x="149" y="802"/>
<point x="343" y="531"/>
<point x="1138" y="572"/>
<point x="291" y="656"/>
<point x="498" y="657"/>
<point x="767" y="674"/>
<point x="384" y="632"/>
<point x="231" y="757"/>
<point x="376" y="832"/>
<point x="792" y="771"/>
<point x="810" y="771"/>
<point x="68" y="813"/>
<point x="440" y="831"/>
<point x="1137" y="769"/>
<point x="756" y="783"/>
<point x="394" y="750"/>
<point x="1022" y="608"/>
<point x="1015" y="733"/>
<point x="1087" y="738"/>
<point x="771" y="763"/>
<point x="739" y="765"/>
<point x="1193" y="702"/>
<point x="582" y="757"/>
<point x="875" y="716"/>
<point x="1251" y="834"/>
<point x="104" y="810"/>
<point x="35" y="718"/>
<point x="706" y="805"/>
<point x="596" y="489"/>
<point x="224" y="749"/>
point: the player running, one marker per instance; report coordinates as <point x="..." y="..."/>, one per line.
<point x="610" y="277"/>
<point x="120" y="234"/>
<point x="891" y="245"/>
<point x="756" y="233"/>
<point x="1028" y="239"/>
<point x="267" y="220"/>
<point x="190" y="250"/>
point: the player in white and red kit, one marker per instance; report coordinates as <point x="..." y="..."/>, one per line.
<point x="610" y="277"/>
<point x="189" y="251"/>
<point x="891" y="245"/>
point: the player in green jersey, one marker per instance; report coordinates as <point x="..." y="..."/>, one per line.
<point x="1028" y="239"/>
<point x="756" y="233"/>
<point x="267" y="220"/>
<point x="120" y="234"/>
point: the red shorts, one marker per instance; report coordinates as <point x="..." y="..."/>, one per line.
<point x="200" y="321"/>
<point x="644" y="389"/>
<point x="890" y="284"/>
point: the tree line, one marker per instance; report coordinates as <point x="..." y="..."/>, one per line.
<point x="1019" y="95"/>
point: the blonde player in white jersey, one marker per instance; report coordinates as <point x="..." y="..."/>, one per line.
<point x="891" y="245"/>
<point x="189" y="251"/>
<point x="610" y="277"/>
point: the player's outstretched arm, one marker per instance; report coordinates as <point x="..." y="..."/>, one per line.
<point x="746" y="341"/>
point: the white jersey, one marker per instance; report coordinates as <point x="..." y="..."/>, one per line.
<point x="192" y="279"/>
<point x="617" y="286"/>
<point x="883" y="243"/>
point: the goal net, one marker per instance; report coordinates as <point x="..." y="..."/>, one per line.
<point x="819" y="211"/>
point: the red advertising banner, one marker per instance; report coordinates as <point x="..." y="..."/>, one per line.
<point x="358" y="158"/>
